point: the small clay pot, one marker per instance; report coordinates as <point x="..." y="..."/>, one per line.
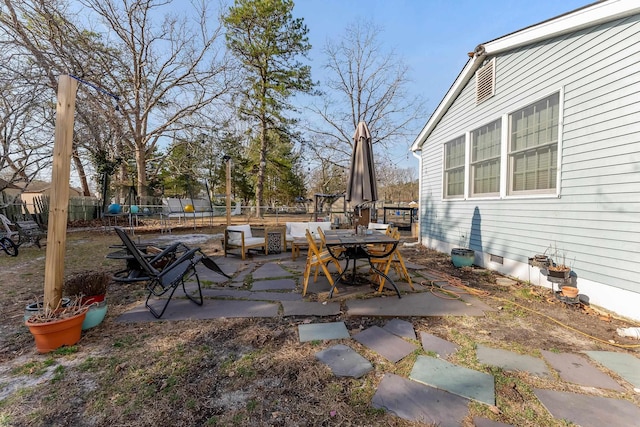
<point x="569" y="291"/>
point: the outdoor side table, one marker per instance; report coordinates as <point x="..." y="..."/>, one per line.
<point x="274" y="241"/>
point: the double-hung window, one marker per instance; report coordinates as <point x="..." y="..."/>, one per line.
<point x="454" y="168"/>
<point x="485" y="159"/>
<point x="533" y="147"/>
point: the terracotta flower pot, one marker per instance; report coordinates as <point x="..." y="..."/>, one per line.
<point x="52" y="335"/>
<point x="569" y="291"/>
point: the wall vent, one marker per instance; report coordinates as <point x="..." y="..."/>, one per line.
<point x="498" y="259"/>
<point x="486" y="81"/>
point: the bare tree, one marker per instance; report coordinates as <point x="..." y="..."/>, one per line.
<point x="365" y="83"/>
<point x="163" y="73"/>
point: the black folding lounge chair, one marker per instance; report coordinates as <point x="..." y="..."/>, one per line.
<point x="168" y="278"/>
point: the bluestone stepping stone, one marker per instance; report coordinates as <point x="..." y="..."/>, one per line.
<point x="323" y="331"/>
<point x="239" y="278"/>
<point x="307" y="308"/>
<point x="455" y="379"/>
<point x="401" y="328"/>
<point x="483" y="422"/>
<point x="419" y="304"/>
<point x="413" y="266"/>
<point x="623" y="364"/>
<point x="385" y="343"/>
<point x="210" y="275"/>
<point x="344" y="361"/>
<point x="183" y="309"/>
<point x="273" y="285"/>
<point x="442" y="348"/>
<point x="589" y="411"/>
<point x="417" y="402"/>
<point x="577" y="369"/>
<point x="270" y="270"/>
<point x="511" y="361"/>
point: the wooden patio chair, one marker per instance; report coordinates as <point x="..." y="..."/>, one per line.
<point x="317" y="258"/>
<point x="164" y="281"/>
<point x="394" y="260"/>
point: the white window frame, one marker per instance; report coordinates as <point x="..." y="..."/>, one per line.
<point x="475" y="163"/>
<point x="445" y="171"/>
<point x="508" y="157"/>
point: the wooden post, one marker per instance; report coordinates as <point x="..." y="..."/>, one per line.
<point x="57" y="227"/>
<point x="228" y="191"/>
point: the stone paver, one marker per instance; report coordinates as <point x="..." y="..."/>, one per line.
<point x="455" y="379"/>
<point x="577" y="369"/>
<point x="313" y="308"/>
<point x="183" y="309"/>
<point x="273" y="285"/>
<point x="386" y="344"/>
<point x="270" y="270"/>
<point x="323" y="331"/>
<point x="417" y="402"/>
<point x="419" y="304"/>
<point x="344" y="361"/>
<point x="401" y="328"/>
<point x="511" y="361"/>
<point x="589" y="411"/>
<point x="442" y="348"/>
<point x="623" y="364"/>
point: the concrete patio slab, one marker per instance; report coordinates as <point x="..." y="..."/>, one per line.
<point x="323" y="331"/>
<point x="386" y="344"/>
<point x="623" y="364"/>
<point x="310" y="308"/>
<point x="455" y="379"/>
<point x="418" y="304"/>
<point x="183" y="309"/>
<point x="401" y="328"/>
<point x="589" y="411"/>
<point x="270" y="270"/>
<point x="344" y="361"/>
<point x="273" y="285"/>
<point x="483" y="422"/>
<point x="231" y="293"/>
<point x="420" y="403"/>
<point x="577" y="369"/>
<point x="442" y="348"/>
<point x="511" y="361"/>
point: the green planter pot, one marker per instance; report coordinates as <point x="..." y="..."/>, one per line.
<point x="461" y="257"/>
<point x="95" y="315"/>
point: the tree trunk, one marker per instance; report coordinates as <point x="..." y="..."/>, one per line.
<point x="141" y="169"/>
<point x="261" y="166"/>
<point x="81" y="172"/>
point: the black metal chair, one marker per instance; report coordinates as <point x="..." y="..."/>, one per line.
<point x="161" y="281"/>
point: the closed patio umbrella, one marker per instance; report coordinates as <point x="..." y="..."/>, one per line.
<point x="361" y="186"/>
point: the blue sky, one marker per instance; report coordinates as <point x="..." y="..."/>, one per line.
<point x="432" y="36"/>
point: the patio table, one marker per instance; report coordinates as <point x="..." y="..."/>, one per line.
<point x="355" y="248"/>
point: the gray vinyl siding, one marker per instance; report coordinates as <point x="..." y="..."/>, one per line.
<point x="596" y="219"/>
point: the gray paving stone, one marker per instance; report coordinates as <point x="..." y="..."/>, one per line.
<point x="225" y="293"/>
<point x="623" y="364"/>
<point x="210" y="275"/>
<point x="385" y="343"/>
<point x="442" y="348"/>
<point x="418" y="304"/>
<point x="344" y="361"/>
<point x="243" y="273"/>
<point x="417" y="402"/>
<point x="511" y="361"/>
<point x="183" y="309"/>
<point x="455" y="379"/>
<point x="310" y="308"/>
<point x="577" y="369"/>
<point x="589" y="411"/>
<point x="323" y="331"/>
<point x="413" y="266"/>
<point x="401" y="328"/>
<point x="483" y="422"/>
<point x="274" y="285"/>
<point x="270" y="270"/>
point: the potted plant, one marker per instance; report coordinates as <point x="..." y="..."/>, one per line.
<point x="462" y="256"/>
<point x="557" y="267"/>
<point x="90" y="287"/>
<point x="53" y="328"/>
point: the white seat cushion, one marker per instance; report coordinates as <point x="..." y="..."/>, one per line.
<point x="236" y="238"/>
<point x="299" y="229"/>
<point x="254" y="241"/>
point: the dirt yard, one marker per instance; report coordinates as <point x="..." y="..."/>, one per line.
<point x="255" y="372"/>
